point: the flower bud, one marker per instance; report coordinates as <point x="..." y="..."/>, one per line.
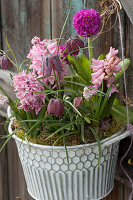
<point x="78" y="101"/>
<point x="55" y="107"/>
<point x="5" y="62"/>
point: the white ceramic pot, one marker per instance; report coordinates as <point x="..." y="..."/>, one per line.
<point x="49" y="176"/>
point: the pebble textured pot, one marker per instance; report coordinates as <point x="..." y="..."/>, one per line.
<point x="49" y="176"/>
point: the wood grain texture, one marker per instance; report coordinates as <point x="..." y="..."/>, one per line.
<point x="129" y="54"/>
<point x="16" y="182"/>
<point x="128" y="6"/>
<point x="4" y="194"/>
<point x="21" y="21"/>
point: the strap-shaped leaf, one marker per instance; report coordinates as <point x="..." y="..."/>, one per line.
<point x="127" y="63"/>
<point x="82" y="66"/>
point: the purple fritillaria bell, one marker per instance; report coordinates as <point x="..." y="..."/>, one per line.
<point x="55" y="107"/>
<point x="73" y="44"/>
<point x="5" y="62"/>
<point x="52" y="62"/>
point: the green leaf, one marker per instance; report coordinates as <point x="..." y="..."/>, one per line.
<point x="104" y="103"/>
<point x="81" y="66"/>
<point x="99" y="144"/>
<point x="64" y="140"/>
<point x="82" y="131"/>
<point x="87" y="120"/>
<point x="127" y="63"/>
<point x="74" y="107"/>
<point x="8" y="138"/>
<point x="102" y="57"/>
<point x="60" y="129"/>
<point x="119" y="113"/>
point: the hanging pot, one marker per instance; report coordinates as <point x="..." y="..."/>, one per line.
<point x="49" y="176"/>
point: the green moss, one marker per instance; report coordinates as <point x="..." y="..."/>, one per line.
<point x="71" y="139"/>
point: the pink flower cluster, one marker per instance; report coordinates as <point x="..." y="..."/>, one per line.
<point x="103" y="70"/>
<point x="26" y="87"/>
<point x="38" y="52"/>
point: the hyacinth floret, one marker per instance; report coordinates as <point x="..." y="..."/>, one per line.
<point x="87" y="22"/>
<point x="39" y="51"/>
<point x="26" y="87"/>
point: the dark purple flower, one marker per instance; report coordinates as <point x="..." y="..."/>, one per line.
<point x="5" y="62"/>
<point x="55" y="107"/>
<point x="87" y="22"/>
<point x="52" y="62"/>
<point x="73" y="45"/>
<point x="64" y="53"/>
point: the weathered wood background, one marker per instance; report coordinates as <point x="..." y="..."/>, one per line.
<point x="20" y="21"/>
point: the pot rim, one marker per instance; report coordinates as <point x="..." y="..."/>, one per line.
<point x="105" y="142"/>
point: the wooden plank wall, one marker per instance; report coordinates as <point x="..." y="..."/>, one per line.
<point x="20" y="21"/>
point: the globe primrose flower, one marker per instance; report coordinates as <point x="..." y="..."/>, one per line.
<point x="87" y="22"/>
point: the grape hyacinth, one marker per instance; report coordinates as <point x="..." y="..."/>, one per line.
<point x="26" y="87"/>
<point x="87" y="22"/>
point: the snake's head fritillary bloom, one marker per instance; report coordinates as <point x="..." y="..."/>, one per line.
<point x="52" y="62"/>
<point x="73" y="44"/>
<point x="55" y="107"/>
<point x="5" y="63"/>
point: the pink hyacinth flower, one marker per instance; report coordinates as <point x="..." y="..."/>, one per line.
<point x="105" y="69"/>
<point x="55" y="107"/>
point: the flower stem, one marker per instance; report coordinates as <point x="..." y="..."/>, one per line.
<point x="90" y="48"/>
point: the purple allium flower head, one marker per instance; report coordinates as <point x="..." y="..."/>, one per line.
<point x="55" y="107"/>
<point x="73" y="44"/>
<point x="5" y="62"/>
<point x="26" y="87"/>
<point x="87" y="22"/>
<point x="52" y="62"/>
